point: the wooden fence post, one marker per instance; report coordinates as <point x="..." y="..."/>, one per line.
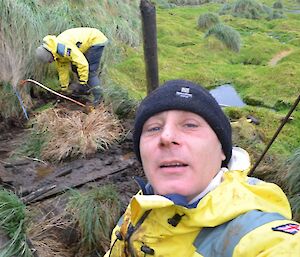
<point x="148" y="14"/>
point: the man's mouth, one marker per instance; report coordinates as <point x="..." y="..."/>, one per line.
<point x="173" y="164"/>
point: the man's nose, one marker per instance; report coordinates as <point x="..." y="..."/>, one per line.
<point x="169" y="136"/>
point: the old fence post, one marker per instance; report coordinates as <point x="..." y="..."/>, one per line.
<point x="148" y="14"/>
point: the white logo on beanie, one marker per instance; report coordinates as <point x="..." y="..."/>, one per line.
<point x="185" y="93"/>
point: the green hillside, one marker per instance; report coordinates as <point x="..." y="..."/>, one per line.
<point x="184" y="52"/>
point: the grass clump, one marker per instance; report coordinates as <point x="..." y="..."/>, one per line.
<point x="278" y="4"/>
<point x="17" y="18"/>
<point x="9" y="105"/>
<point x="12" y="222"/>
<point x="31" y="20"/>
<point x="252" y="9"/>
<point x="227" y="35"/>
<point x="53" y="234"/>
<point x="208" y="20"/>
<point x="293" y="183"/>
<point x="60" y="133"/>
<point x="122" y="103"/>
<point x="249" y="9"/>
<point x="188" y="2"/>
<point x="95" y="212"/>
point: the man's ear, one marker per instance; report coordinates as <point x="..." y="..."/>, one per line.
<point x="223" y="156"/>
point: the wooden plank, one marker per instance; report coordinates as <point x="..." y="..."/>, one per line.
<point x="59" y="183"/>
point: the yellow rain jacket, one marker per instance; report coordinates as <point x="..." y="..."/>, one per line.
<point x="241" y="217"/>
<point x="69" y="48"/>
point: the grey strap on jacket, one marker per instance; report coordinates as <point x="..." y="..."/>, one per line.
<point x="220" y="241"/>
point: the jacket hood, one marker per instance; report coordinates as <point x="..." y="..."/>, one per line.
<point x="240" y="160"/>
<point x="50" y="43"/>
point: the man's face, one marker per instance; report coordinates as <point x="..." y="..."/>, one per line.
<point x="180" y="153"/>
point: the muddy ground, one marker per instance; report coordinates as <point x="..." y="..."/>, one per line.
<point x="41" y="185"/>
<point x="25" y="175"/>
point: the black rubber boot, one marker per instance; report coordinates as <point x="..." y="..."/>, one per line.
<point x="96" y="91"/>
<point x="79" y="90"/>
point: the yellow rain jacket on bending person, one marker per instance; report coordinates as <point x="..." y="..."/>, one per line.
<point x="69" y="48"/>
<point x="240" y="217"/>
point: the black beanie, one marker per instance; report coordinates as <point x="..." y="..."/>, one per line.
<point x="186" y="96"/>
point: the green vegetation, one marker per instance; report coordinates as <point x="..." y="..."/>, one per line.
<point x="249" y="9"/>
<point x="227" y="35"/>
<point x="12" y="222"/>
<point x="278" y="4"/>
<point x="207" y="20"/>
<point x="252" y="9"/>
<point x="122" y="104"/>
<point x="95" y="213"/>
<point x="59" y="133"/>
<point x="264" y="69"/>
<point x="293" y="178"/>
<point x="184" y="51"/>
<point x="32" y="20"/>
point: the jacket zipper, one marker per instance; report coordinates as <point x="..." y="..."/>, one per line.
<point x="131" y="229"/>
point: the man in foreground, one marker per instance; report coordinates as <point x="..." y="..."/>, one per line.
<point x="195" y="203"/>
<point x="78" y="48"/>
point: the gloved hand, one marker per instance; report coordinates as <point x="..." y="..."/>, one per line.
<point x="80" y="89"/>
<point x="84" y="89"/>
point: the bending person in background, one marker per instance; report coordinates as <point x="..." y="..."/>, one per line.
<point x="80" y="48"/>
<point x="198" y="200"/>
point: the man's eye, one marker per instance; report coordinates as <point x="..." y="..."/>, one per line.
<point x="191" y="125"/>
<point x="153" y="129"/>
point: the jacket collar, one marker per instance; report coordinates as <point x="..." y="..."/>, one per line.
<point x="181" y="200"/>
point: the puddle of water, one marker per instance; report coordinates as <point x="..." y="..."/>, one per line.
<point x="227" y="96"/>
<point x="44" y="171"/>
<point x="126" y="157"/>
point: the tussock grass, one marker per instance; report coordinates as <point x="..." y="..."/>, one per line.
<point x="252" y="9"/>
<point x="95" y="212"/>
<point x="293" y="183"/>
<point x="278" y="4"/>
<point x="119" y="20"/>
<point x="14" y="54"/>
<point x="122" y="103"/>
<point x="18" y="35"/>
<point x="207" y="20"/>
<point x="12" y="222"/>
<point x="49" y="236"/>
<point x="188" y="2"/>
<point x="25" y="23"/>
<point x="9" y="105"/>
<point x="227" y="35"/>
<point x="74" y="133"/>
